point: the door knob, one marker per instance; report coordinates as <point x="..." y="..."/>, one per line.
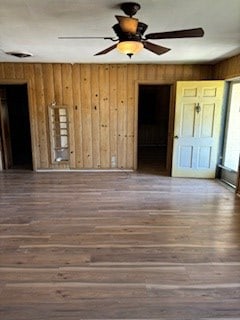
<point x="175" y="137"/>
<point x="197" y="108"/>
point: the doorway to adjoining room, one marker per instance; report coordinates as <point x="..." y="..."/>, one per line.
<point x="15" y="146"/>
<point x="153" y="127"/>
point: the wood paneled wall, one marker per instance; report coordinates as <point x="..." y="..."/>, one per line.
<point x="227" y="69"/>
<point x="102" y="104"/>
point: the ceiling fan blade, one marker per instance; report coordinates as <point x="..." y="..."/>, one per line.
<point x="155" y="48"/>
<point x="188" y="33"/>
<point x="106" y="50"/>
<point x="69" y="38"/>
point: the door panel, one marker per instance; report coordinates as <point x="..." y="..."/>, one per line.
<point x="186" y="154"/>
<point x="197" y="128"/>
<point x="188" y="120"/>
<point x="204" y="157"/>
<point x="207" y="120"/>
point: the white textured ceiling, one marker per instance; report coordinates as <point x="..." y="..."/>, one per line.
<point x="35" y="25"/>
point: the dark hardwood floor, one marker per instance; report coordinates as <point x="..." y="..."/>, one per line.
<point x="117" y="246"/>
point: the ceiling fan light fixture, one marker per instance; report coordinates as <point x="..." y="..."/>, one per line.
<point x="129" y="32"/>
<point x="129" y="47"/>
<point x="128" y="24"/>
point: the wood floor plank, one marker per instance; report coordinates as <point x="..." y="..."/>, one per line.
<point x="117" y="245"/>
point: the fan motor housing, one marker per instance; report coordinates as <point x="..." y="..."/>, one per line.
<point x="126" y="36"/>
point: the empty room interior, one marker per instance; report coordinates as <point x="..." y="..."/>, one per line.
<point x="119" y="160"/>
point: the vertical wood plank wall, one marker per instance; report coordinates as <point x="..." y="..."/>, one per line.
<point x="227" y="69"/>
<point x="101" y="101"/>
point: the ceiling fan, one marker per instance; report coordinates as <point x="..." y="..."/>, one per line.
<point x="130" y="38"/>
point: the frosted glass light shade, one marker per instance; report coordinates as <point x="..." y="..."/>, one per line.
<point x="129" y="47"/>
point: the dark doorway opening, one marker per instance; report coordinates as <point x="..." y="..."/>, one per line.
<point x="15" y="127"/>
<point x="153" y="122"/>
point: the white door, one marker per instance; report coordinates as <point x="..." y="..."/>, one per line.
<point x="197" y="128"/>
